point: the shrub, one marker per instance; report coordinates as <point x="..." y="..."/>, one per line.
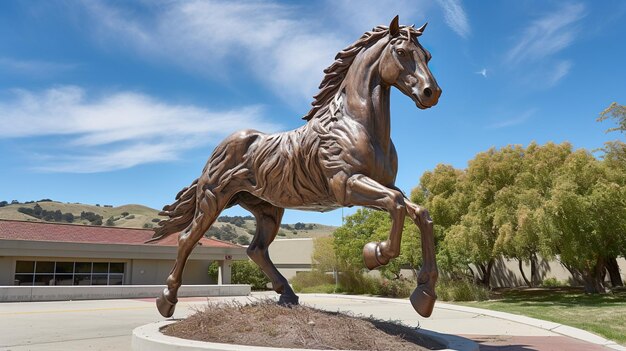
<point x="460" y="290"/>
<point x="156" y="220"/>
<point x="130" y="216"/>
<point x="243" y="272"/>
<point x="552" y="283"/>
<point x="148" y="225"/>
<point x="124" y="214"/>
<point x="110" y="221"/>
<point x="397" y="287"/>
<point x="312" y="280"/>
<point x="243" y="240"/>
<point x="355" y="282"/>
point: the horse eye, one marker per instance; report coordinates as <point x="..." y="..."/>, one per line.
<point x="400" y="52"/>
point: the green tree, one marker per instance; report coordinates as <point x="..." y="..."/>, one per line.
<point x="442" y="191"/>
<point x="520" y="206"/>
<point x="617" y="113"/>
<point x="243" y="240"/>
<point x="323" y="255"/>
<point x="243" y="272"/>
<point x="369" y="225"/>
<point x="588" y="219"/>
<point x="475" y="235"/>
<point x="614" y="156"/>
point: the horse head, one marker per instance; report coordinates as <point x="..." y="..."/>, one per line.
<point x="404" y="64"/>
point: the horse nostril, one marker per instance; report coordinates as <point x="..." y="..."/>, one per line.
<point x="428" y="92"/>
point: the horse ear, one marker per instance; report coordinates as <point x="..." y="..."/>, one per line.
<point x="394" y="27"/>
<point x="421" y="29"/>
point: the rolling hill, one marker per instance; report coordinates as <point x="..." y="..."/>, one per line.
<point x="236" y="229"/>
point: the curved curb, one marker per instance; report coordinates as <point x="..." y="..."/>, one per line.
<point x="557" y="328"/>
<point x="149" y="338"/>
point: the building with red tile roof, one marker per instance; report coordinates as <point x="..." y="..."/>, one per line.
<point x="44" y="253"/>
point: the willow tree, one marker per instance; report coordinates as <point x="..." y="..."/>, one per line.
<point x="520" y="207"/>
<point x="464" y="202"/>
<point x="614" y="156"/>
<point x="587" y="212"/>
<point x="442" y="192"/>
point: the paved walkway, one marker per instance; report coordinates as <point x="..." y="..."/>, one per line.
<point x="107" y="324"/>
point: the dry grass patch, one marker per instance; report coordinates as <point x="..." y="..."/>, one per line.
<point x="264" y="323"/>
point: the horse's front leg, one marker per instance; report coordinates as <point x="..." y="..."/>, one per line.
<point x="423" y="298"/>
<point x="364" y="191"/>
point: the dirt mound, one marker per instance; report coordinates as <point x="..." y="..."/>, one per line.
<point x="264" y="323"/>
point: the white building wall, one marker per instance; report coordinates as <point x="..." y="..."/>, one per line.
<point x="292" y="255"/>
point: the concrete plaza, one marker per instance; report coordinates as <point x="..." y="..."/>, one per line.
<point x="108" y="324"/>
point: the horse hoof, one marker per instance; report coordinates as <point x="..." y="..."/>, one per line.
<point x="372" y="256"/>
<point x="288" y="300"/>
<point x="422" y="302"/>
<point x="164" y="305"/>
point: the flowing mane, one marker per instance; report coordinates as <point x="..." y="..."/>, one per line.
<point x="336" y="72"/>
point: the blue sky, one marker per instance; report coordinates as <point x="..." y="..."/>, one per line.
<point x="122" y="102"/>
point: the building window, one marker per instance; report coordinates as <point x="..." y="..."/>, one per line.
<point x="68" y="273"/>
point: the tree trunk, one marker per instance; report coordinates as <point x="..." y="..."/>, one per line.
<point x="613" y="268"/>
<point x="592" y="277"/>
<point x="577" y="277"/>
<point x="486" y="277"/>
<point x="534" y="279"/>
<point x="472" y="272"/>
<point x="521" y="269"/>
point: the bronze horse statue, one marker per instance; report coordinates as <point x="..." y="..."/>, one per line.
<point x="342" y="156"/>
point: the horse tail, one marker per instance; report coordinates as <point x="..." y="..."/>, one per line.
<point x="181" y="213"/>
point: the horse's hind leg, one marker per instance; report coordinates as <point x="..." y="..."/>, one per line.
<point x="268" y="219"/>
<point x="208" y="208"/>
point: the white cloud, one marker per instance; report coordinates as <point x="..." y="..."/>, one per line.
<point x="455" y="17"/>
<point x="266" y="39"/>
<point x="283" y="46"/>
<point x="519" y="119"/>
<point x="547" y="35"/>
<point x="117" y="131"/>
<point x="482" y="72"/>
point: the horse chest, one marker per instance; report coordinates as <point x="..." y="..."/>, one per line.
<point x="354" y="151"/>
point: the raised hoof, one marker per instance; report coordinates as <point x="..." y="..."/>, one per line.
<point x="166" y="307"/>
<point x="288" y="300"/>
<point x="422" y="302"/>
<point x="373" y="257"/>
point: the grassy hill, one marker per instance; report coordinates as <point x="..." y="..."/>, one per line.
<point x="138" y="216"/>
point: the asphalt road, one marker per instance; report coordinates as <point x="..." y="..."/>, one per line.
<point x="108" y="324"/>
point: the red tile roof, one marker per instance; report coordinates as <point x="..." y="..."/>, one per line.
<point x="73" y="233"/>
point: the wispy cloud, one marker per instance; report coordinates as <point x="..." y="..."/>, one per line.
<point x="455" y="16"/>
<point x="548" y="34"/>
<point x="482" y="72"/>
<point x="268" y="40"/>
<point x="116" y="131"/>
<point x="561" y="69"/>
<point x="516" y="120"/>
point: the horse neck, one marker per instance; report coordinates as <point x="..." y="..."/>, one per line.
<point x="367" y="97"/>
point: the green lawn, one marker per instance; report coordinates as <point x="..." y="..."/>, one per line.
<point x="604" y="315"/>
